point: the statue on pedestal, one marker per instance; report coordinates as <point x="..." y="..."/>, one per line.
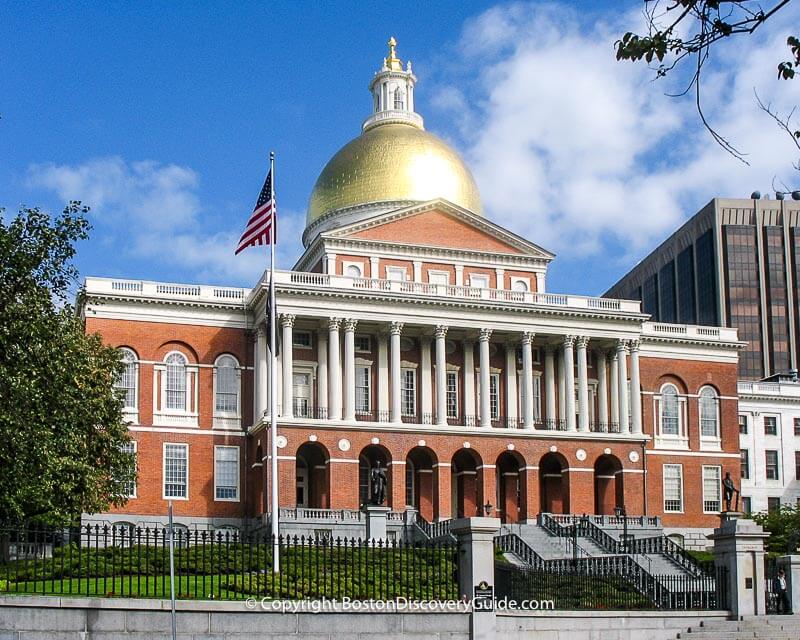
<point x="378" y="484"/>
<point x="730" y="489"/>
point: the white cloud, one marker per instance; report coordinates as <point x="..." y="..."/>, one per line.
<point x="579" y="152"/>
<point x="152" y="212"/>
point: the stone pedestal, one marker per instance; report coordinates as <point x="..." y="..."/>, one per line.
<point x="739" y="547"/>
<point x="476" y="570"/>
<point x="376" y="521"/>
<point x="791" y="565"/>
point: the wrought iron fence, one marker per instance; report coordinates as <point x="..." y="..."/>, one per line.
<point x="134" y="562"/>
<point x="612" y="582"/>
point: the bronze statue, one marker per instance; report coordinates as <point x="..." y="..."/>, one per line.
<point x="730" y="489"/>
<point x="378" y="483"/>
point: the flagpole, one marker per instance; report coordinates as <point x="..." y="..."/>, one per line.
<point x="273" y="387"/>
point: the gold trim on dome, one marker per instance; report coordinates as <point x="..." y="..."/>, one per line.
<point x="393" y="162"/>
<point x="393" y="62"/>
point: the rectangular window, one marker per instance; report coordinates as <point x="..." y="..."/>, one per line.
<point x="797" y="426"/>
<point x="301" y="339"/>
<point x="673" y="488"/>
<point x="494" y="396"/>
<point x="396" y="273"/>
<point x="712" y="488"/>
<point x="770" y="425"/>
<point x="452" y="394"/>
<point x="362" y="390"/>
<point x="747" y="505"/>
<point x="363" y="344"/>
<point x="537" y="398"/>
<point x="438" y="277"/>
<point x="773" y="504"/>
<point x="409" y="393"/>
<point x="771" y="459"/>
<point x="742" y="424"/>
<point x="479" y="281"/>
<point x="226" y="473"/>
<point x="128" y="489"/>
<point x="745" y="463"/>
<point x="685" y="286"/>
<point x="176" y="471"/>
<point x="301" y="394"/>
<point x="797" y="465"/>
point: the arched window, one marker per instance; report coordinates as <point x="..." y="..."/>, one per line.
<point x="410" y="489"/>
<point x="353" y="271"/>
<point x="709" y="413"/>
<point x="175" y="385"/>
<point x="399" y="100"/>
<point x="226" y="389"/>
<point x="670" y="411"/>
<point x="128" y="379"/>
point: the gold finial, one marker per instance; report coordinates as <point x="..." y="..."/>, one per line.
<point x="393" y="62"/>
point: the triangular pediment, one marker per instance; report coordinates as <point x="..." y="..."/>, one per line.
<point x="439" y="223"/>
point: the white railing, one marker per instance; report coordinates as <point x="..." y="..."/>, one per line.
<point x="322" y="280"/>
<point x="696" y="332"/>
<point x="331" y="515"/>
<point x="790" y="389"/>
<point x="166" y="290"/>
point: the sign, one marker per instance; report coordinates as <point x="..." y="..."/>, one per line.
<point x="483" y="597"/>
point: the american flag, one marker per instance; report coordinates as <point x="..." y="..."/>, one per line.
<point x="261" y="226"/>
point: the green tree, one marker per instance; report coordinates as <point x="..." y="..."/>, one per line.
<point x="61" y="428"/>
<point x="682" y="33"/>
<point x="781" y="524"/>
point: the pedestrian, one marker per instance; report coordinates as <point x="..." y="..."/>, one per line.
<point x="779" y="588"/>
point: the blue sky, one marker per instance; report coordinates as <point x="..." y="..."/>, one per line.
<point x="161" y="115"/>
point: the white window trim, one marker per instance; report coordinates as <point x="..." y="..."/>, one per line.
<point x="778" y="425"/>
<point x="709" y="443"/>
<point x="719" y="485"/>
<point x="368" y="367"/>
<point x="397" y="271"/>
<point x="664" y="489"/>
<point x="164" y="496"/>
<point x="227" y="419"/>
<point x="346" y="264"/>
<point x="403" y="412"/>
<point x="238" y="474"/>
<point x="447" y="393"/>
<point x="439" y="272"/>
<point x="483" y="277"/>
<point x="175" y="417"/>
<point x="525" y="281"/>
<point x="303" y="368"/>
<point x="131" y="413"/>
<point x="136" y="463"/>
<point x="670" y="441"/>
<point x="778" y="464"/>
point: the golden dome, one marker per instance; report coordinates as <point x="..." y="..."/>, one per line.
<point x="393" y="162"/>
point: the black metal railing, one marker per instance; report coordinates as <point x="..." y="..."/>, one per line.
<point x="133" y="562"/>
<point x="604" y="427"/>
<point x="551" y="424"/>
<point x="610" y="582"/>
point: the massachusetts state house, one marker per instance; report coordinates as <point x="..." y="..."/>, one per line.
<point x="416" y="333"/>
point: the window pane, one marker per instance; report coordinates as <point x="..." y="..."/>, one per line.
<point x="362" y="390"/>
<point x="673" y="487"/>
<point x="711" y="488"/>
<point x="129" y="488"/>
<point x="175" y="470"/>
<point x="743" y="424"/>
<point x="708" y="413"/>
<point x="127" y="379"/>
<point x="452" y="394"/>
<point x="227" y="399"/>
<point x="226" y="472"/>
<point x="745" y="463"/>
<point x="770" y="425"/>
<point x="771" y="459"/>
<point x="669" y="411"/>
<point x="409" y="394"/>
<point x="176" y="382"/>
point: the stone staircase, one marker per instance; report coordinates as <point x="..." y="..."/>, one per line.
<point x="772" y="627"/>
<point x="548" y="546"/>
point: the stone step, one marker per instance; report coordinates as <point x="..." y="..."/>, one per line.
<point x="759" y="634"/>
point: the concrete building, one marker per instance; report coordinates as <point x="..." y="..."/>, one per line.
<point x="415" y="333"/>
<point x="735" y="263"/>
<point x="769" y="437"/>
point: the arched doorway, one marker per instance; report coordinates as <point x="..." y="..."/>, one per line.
<point x="553" y="484"/>
<point x="465" y="484"/>
<point x="511" y="495"/>
<point x="421" y="491"/>
<point x="312" y="478"/>
<point x="368" y="459"/>
<point x="608" y="485"/>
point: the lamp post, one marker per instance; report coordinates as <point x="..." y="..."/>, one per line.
<point x="622" y="512"/>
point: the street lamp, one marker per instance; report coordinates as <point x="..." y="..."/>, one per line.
<point x="487" y="509"/>
<point x="620" y="511"/>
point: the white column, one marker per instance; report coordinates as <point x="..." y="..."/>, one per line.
<point x="441" y="374"/>
<point x="486" y="416"/>
<point x="417" y="270"/>
<point x="562" y="393"/>
<point x="349" y="369"/>
<point x="322" y="375"/>
<point x="334" y="371"/>
<point x="262" y="366"/>
<point x="330" y="263"/>
<point x="287" y="355"/>
<point x="469" y="384"/>
<point x="383" y="378"/>
<point x="500" y="275"/>
<point x="569" y="382"/>
<point x="540" y="283"/>
<point x="425" y="382"/>
<point x="459" y="275"/>
<point x="622" y="369"/>
<point x="583" y="384"/>
<point x="613" y="393"/>
<point x="636" y="395"/>
<point x="602" y="388"/>
<point x="527" y="380"/>
<point x="374" y="267"/>
<point x="550" y="385"/>
<point x="512" y="399"/>
<point x="394" y="356"/>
